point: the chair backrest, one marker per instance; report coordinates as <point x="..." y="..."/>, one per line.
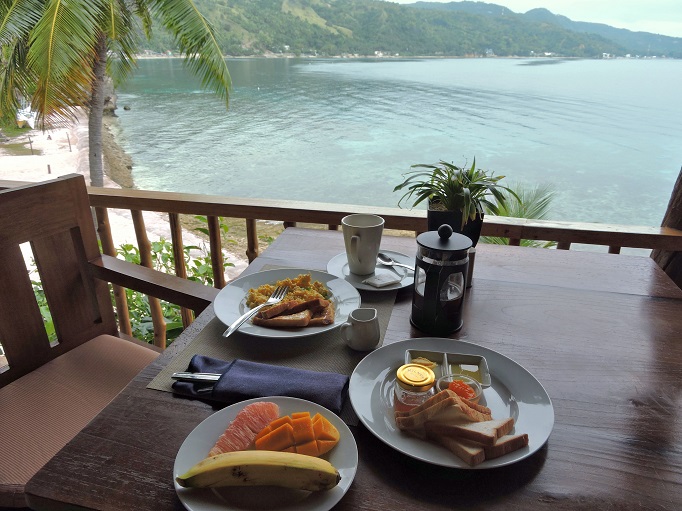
<point x="56" y="219"/>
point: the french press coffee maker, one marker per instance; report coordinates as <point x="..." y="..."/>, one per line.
<point x="439" y="281"/>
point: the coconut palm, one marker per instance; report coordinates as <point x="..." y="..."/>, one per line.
<point x="57" y="52"/>
<point x="534" y="202"/>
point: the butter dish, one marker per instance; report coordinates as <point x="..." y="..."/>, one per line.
<point x="474" y="366"/>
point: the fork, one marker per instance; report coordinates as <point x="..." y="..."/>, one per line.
<point x="276" y="297"/>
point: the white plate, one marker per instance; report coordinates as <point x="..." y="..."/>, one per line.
<point x="231" y="301"/>
<point x="344" y="456"/>
<point x="338" y="266"/>
<point x="514" y="392"/>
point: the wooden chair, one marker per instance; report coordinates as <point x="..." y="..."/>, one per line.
<point x="50" y="391"/>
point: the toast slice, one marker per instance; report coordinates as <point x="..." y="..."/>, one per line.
<point x="452" y="410"/>
<point x="485" y="433"/>
<point x="473" y="453"/>
<point x="470" y="453"/>
<point x="444" y="394"/>
<point x="505" y="445"/>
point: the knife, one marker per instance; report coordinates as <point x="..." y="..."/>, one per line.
<point x="196" y="377"/>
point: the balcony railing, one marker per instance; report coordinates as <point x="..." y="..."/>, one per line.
<point x="565" y="234"/>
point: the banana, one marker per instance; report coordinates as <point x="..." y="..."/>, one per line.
<point x="262" y="468"/>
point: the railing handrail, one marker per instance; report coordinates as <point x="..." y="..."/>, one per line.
<point x="663" y="238"/>
<point x="288" y="211"/>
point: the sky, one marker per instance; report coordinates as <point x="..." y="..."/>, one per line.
<point x="655" y="16"/>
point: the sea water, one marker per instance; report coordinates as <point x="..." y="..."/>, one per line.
<point x="605" y="133"/>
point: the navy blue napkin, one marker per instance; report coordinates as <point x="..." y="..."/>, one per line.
<point x="242" y="380"/>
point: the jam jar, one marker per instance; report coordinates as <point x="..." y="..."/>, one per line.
<point x="414" y="384"/>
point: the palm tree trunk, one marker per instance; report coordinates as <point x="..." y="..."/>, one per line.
<point x="96" y="112"/>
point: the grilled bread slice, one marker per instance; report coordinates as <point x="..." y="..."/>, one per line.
<point x="298" y="320"/>
<point x="324" y="316"/>
<point x="314" y="306"/>
<point x="276" y="310"/>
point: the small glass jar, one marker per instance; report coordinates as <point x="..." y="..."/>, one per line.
<point x="414" y="384"/>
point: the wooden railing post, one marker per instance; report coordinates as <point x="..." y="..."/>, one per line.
<point x="146" y="260"/>
<point x="216" y="247"/>
<point x="179" y="257"/>
<point x="251" y="239"/>
<point x="104" y="232"/>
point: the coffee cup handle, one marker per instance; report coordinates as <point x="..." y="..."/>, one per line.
<point x="354" y="240"/>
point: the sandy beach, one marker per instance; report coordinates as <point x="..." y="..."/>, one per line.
<point x="65" y="151"/>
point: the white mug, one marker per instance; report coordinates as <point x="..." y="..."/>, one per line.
<point x="362" y="236"/>
<point x="361" y="331"/>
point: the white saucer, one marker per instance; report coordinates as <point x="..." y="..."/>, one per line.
<point x="338" y="266"/>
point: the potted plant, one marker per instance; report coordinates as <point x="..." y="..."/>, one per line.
<point x="455" y="195"/>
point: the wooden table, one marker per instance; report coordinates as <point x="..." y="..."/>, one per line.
<point x="602" y="333"/>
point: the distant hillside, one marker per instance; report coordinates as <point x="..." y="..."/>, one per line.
<point x="370" y="27"/>
<point x="634" y="43"/>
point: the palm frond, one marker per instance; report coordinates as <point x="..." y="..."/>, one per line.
<point x="194" y="35"/>
<point x="17" y="18"/>
<point x="61" y="54"/>
<point x="119" y="23"/>
<point x="533" y="202"/>
<point x="15" y="80"/>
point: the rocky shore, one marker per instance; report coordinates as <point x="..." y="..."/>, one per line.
<point x="118" y="164"/>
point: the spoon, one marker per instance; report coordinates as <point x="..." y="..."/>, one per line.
<point x="388" y="261"/>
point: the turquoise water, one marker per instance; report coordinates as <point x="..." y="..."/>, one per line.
<point x="606" y="133"/>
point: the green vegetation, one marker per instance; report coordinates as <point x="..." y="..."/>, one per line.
<point x="448" y="187"/>
<point x="363" y="27"/>
<point x="18" y="149"/>
<point x="56" y="54"/>
<point x="533" y="202"/>
<point x="198" y="270"/>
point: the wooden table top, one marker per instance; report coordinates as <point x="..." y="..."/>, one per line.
<point x="602" y="333"/>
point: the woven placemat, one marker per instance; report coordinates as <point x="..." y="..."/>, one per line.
<point x="326" y="352"/>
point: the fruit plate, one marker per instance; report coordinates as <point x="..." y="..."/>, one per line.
<point x="231" y="302"/>
<point x="513" y="392"/>
<point x="344" y="456"/>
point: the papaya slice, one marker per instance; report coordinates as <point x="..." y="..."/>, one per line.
<point x="326" y="435"/>
<point x="303" y="430"/>
<point x="278" y="439"/>
<point x="274" y="425"/>
<point x="299" y="433"/>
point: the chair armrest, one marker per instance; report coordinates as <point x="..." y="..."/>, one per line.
<point x="170" y="288"/>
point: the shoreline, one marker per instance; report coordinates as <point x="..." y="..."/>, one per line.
<point x="35" y="156"/>
<point x="118" y="164"/>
